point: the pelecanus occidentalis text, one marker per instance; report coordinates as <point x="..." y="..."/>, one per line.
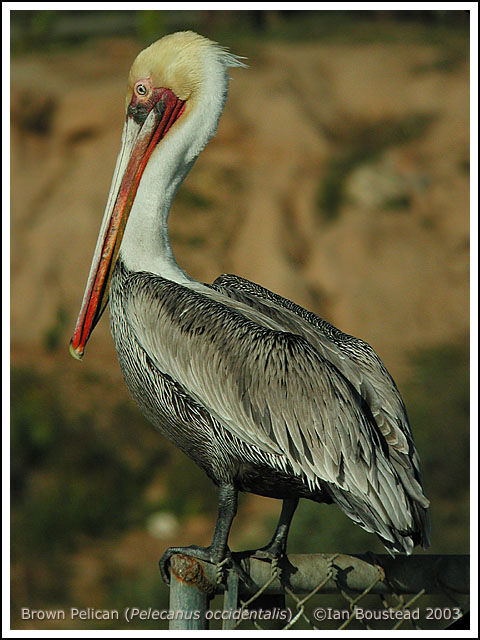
<point x="265" y="396"/>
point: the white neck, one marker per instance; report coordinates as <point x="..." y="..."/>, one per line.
<point x="145" y="244"/>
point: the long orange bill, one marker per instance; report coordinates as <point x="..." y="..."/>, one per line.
<point x="141" y="134"/>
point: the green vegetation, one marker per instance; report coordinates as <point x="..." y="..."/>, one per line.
<point x="53" y="30"/>
<point x="68" y="481"/>
<point x="464" y="166"/>
<point x="149" y="24"/>
<point x="56" y="332"/>
<point x="192" y="241"/>
<point x="358" y="143"/>
<point x="437" y="397"/>
<point x="193" y="199"/>
<point x="398" y="203"/>
<point x="82" y="481"/>
<point x="448" y="61"/>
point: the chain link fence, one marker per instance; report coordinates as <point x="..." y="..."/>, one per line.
<point x="321" y="592"/>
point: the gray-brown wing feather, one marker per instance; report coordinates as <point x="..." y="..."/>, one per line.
<point x="356" y="360"/>
<point x="273" y="389"/>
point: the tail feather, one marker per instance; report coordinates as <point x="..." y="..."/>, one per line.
<point x="395" y="539"/>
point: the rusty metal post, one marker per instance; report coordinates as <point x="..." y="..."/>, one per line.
<point x="190" y="594"/>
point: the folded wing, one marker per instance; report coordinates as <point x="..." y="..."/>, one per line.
<point x="282" y="390"/>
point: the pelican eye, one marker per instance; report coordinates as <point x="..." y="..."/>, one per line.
<point x="141" y="89"/>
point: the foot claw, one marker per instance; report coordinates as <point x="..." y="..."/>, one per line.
<point x="206" y="554"/>
<point x="201" y="553"/>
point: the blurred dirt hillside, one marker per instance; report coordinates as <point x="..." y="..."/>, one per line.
<point x="339" y="178"/>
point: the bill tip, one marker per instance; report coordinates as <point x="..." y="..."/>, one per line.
<point x="75" y="352"/>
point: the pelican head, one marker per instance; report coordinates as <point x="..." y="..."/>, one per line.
<point x="176" y="92"/>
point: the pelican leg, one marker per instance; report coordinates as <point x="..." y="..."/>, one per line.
<point x="218" y="549"/>
<point x="278" y="544"/>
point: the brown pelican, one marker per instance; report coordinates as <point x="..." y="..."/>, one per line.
<point x="263" y="395"/>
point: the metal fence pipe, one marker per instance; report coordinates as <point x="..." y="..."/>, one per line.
<point x="190" y="594"/>
<point x="401" y="582"/>
<point x="302" y="573"/>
